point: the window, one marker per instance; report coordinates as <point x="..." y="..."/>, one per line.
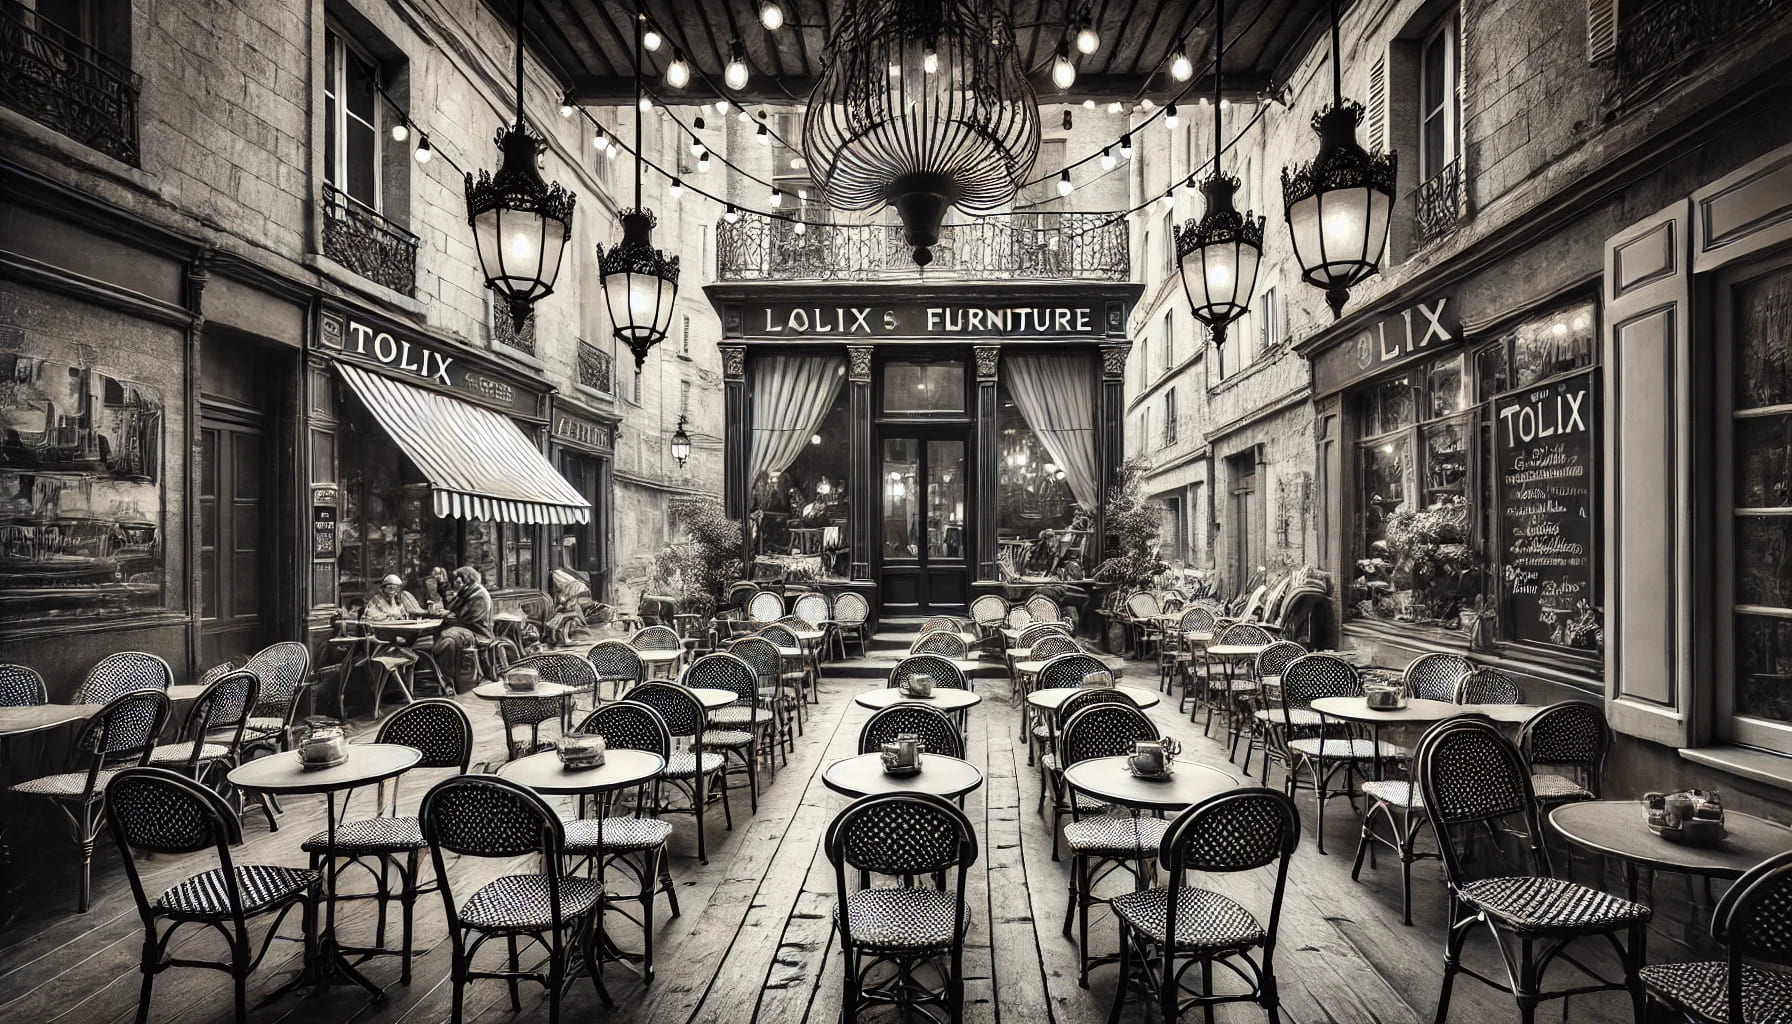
<point x="1270" y="319"/>
<point x="1439" y="101"/>
<point x="684" y="398"/>
<point x="1145" y="429"/>
<point x="351" y="121"/>
<point x="911" y="388"/>
<point x="1169" y="339"/>
<point x="1169" y="243"/>
<point x="684" y="342"/>
<point x="1170" y="417"/>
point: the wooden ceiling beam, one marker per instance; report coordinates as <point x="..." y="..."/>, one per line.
<point x="598" y="90"/>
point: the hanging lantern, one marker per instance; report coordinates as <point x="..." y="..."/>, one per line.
<point x="520" y="222"/>
<point x="681" y="444"/>
<point x="1338" y="205"/>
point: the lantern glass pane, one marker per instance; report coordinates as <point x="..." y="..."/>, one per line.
<point x="1303" y="227"/>
<point x="521" y="235"/>
<point x="553" y="251"/>
<point x="617" y="296"/>
<point x="485" y="239"/>
<point x="1344" y="223"/>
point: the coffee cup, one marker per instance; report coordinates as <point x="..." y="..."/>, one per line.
<point x="1148" y="757"/>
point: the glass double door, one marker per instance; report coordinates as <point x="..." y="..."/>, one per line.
<point x="925" y="543"/>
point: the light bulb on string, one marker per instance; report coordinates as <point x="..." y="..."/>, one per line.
<point x="1170" y="118"/>
<point x="652" y="41"/>
<point x="1169" y="197"/>
<point x="400" y="132"/>
<point x="1126" y="146"/>
<point x="771" y="16"/>
<point x="1181" y="68"/>
<point x="763" y="135"/>
<point x="802" y="229"/>
<point x="645" y="105"/>
<point x="721" y="106"/>
<point x="423" y="151"/>
<point x="1107" y="158"/>
<point x="1114" y="106"/>
<point x="566" y="103"/>
<point x="1087" y="39"/>
<point x="930" y="61"/>
<point x="1063" y="71"/>
<point x="777" y="199"/>
<point x="730" y="215"/>
<point x="703" y="162"/>
<point x="735" y="76"/>
<point x="1089" y="104"/>
<point x="678" y="73"/>
<point x="677" y="188"/>
<point x="1064" y="184"/>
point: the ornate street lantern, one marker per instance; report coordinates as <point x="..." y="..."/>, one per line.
<point x="921" y="105"/>
<point x="1338" y="205"/>
<point x="1219" y="256"/>
<point x="640" y="282"/>
<point x="681" y="444"/>
<point x="520" y="222"/>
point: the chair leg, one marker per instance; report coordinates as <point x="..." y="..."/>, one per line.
<point x="407" y="903"/>
<point x="516" y="1003"/>
<point x="148" y="967"/>
<point x="1124" y="982"/>
<point x="650" y="869"/>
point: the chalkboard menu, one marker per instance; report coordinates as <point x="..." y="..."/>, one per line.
<point x="1545" y="443"/>
<point x="323" y="531"/>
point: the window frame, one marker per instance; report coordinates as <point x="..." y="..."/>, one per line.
<point x="1170" y="431"/>
<point x="339" y="47"/>
<point x="1170" y="338"/>
<point x="1448" y="105"/>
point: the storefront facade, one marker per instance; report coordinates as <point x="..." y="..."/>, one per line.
<point x="582" y="446"/>
<point x="919" y="445"/>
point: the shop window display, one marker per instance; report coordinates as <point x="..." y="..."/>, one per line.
<point x="799" y="516"/>
<point x="1042" y="528"/>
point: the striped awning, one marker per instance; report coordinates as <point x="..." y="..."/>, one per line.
<point x="479" y="464"/>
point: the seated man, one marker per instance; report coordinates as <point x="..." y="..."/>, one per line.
<point x="392" y="602"/>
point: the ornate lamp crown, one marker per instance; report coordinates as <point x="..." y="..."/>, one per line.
<point x="520" y="222"/>
<point x="921" y="105"/>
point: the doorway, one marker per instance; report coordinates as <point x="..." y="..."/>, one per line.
<point x="924" y="540"/>
<point x="1247" y="530"/>
<point x="242" y="596"/>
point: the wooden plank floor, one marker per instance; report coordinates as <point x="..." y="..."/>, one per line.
<point x="754" y="941"/>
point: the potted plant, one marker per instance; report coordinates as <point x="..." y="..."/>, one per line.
<point x="1432" y="561"/>
<point x="699" y="567"/>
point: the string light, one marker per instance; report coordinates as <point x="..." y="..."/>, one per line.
<point x="1169" y="196"/>
<point x="645" y="104"/>
<point x="801" y="228"/>
<point x="652" y="41"/>
<point x="1089" y="104"/>
<point x="729" y="214"/>
<point x="1087" y="39"/>
<point x="763" y="135"/>
<point x="1064" y="185"/>
<point x="721" y="106"/>
<point x="566" y="103"/>
<point x="677" y="188"/>
<point x="1181" y="68"/>
<point x="1063" y="71"/>
<point x="400" y="132"/>
<point x="703" y="162"/>
<point x="777" y="197"/>
<point x="423" y="151"/>
<point x="1126" y="146"/>
<point x="1107" y="158"/>
<point x="678" y="73"/>
<point x="771" y="16"/>
<point x="735" y="76"/>
<point x="1170" y="118"/>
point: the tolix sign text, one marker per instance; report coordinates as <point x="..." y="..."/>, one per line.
<point x="1425" y="327"/>
<point x="366" y="341"/>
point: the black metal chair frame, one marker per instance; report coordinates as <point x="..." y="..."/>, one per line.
<point x="687" y="721"/>
<point x="204" y="727"/>
<point x="731" y="673"/>
<point x="786" y="701"/>
<point x="1263" y="720"/>
<point x="1751" y="923"/>
<point x="1585" y="755"/>
<point x="611" y="671"/>
<point x="1320" y="766"/>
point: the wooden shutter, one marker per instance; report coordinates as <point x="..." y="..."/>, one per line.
<point x="1378" y="106"/>
<point x="1602" y="29"/>
<point x="1648" y="412"/>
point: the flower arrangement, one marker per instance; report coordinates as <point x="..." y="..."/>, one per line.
<point x="1431" y="559"/>
<point x="699" y="568"/>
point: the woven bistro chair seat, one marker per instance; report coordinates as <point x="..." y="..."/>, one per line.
<point x="67" y="785"/>
<point x="167" y="754"/>
<point x="370" y="836"/>
<point x="620" y="835"/>
<point x="1104" y="836"/>
<point x="1397" y="792"/>
<point x="514" y="904"/>
<point x="683" y="764"/>
<point x="904" y="920"/>
<point x="1205" y="920"/>
<point x="727" y="738"/>
<point x="739" y="718"/>
<point x="1300" y="718"/>
<point x="1339" y="750"/>
<point x="206" y="895"/>
<point x="1536" y="905"/>
<point x="1701" y="991"/>
<point x="1558" y="789"/>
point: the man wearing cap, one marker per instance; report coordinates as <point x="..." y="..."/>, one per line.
<point x="392" y="602"/>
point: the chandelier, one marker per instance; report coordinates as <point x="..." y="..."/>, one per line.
<point x="520" y="222"/>
<point x="1338" y="205"/>
<point x="921" y="105"/>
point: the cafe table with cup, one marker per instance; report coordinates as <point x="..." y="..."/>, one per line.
<point x="1149" y="778"/>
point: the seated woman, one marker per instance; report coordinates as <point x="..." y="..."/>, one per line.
<point x="392" y="602"/>
<point x="469" y="617"/>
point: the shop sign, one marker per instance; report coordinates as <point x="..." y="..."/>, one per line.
<point x="794" y="320"/>
<point x="323" y="531"/>
<point x="412" y="359"/>
<point x="581" y="432"/>
<point x="1424" y="327"/>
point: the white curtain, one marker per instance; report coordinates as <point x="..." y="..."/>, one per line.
<point x="1056" y="395"/>
<point x="791" y="396"/>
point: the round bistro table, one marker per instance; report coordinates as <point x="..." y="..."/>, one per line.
<point x="1617" y="828"/>
<point x="285" y="774"/>
<point x="944" y="699"/>
<point x="40" y="717"/>
<point x="1049" y="699"/>
<point x="1416" y="712"/>
<point x="1109" y="779"/>
<point x="940" y="775"/>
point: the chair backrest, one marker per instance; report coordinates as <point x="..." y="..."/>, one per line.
<point x="1572" y="733"/>
<point x="939" y="623"/>
<point x="812" y="607"/>
<point x="487" y="816"/>
<point x="796" y="622"/>
<point x="1240" y="830"/>
<point x="656" y="638"/>
<point x="126" y="728"/>
<point x="1019" y="617"/>
<point x="121" y="673"/>
<point x="1436" y="676"/>
<point x="1244" y="634"/>
<point x="438" y="727"/>
<point x="944" y="674"/>
<point x="21" y="686"/>
<point x="565" y="669"/>
<point x="615" y="660"/>
<point x="216" y="672"/>
<point x="223" y="706"/>
<point x="1142" y="604"/>
<point x="159" y="811"/>
<point x="1276" y="657"/>
<point x="1752" y="918"/>
<point x="282" y="669"/>
<point x="942" y="643"/>
<point x="761" y="655"/>
<point x="1311" y="676"/>
<point x="723" y="671"/>
<point x="1088" y="697"/>
<point x="629" y="725"/>
<point x="989" y="610"/>
<point x="677" y="706"/>
<point x="1487" y="685"/>
<point x="530" y="711"/>
<point x="931" y="724"/>
<point x="910" y="835"/>
<point x="851" y="608"/>
<point x="1197" y="620"/>
<point x="1470" y="774"/>
<point x="1102" y="730"/>
<point x="1052" y="645"/>
<point x="1032" y="631"/>
<point x="781" y="635"/>
<point x="765" y="606"/>
<point x="1069" y="670"/>
<point x="1044" y="609"/>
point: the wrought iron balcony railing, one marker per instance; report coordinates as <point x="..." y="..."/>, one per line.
<point x="368" y="244"/>
<point x="62" y="82"/>
<point x="1026" y="246"/>
<point x="1438" y="204"/>
<point x="1662" y="41"/>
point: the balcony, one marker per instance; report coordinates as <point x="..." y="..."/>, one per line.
<point x="361" y="240"/>
<point x="1663" y="41"/>
<point x="62" y="82"/>
<point x="1063" y="246"/>
<point x="1438" y="203"/>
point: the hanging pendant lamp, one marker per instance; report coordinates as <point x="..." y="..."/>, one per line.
<point x="1338" y="205"/>
<point x="640" y="282"/>
<point x="681" y="444"/>
<point x="1219" y="256"/>
<point x="520" y="222"/>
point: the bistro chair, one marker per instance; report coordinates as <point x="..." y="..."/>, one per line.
<point x="1474" y="782"/>
<point x="1044" y="609"/>
<point x="158" y="811"/>
<point x="1100" y="844"/>
<point x="1167" y="930"/>
<point x="1048" y="647"/>
<point x="283" y="669"/>
<point x="1750" y="922"/>
<point x="942" y="671"/>
<point x="21" y="686"/>
<point x="568" y="670"/>
<point x="1264" y="719"/>
<point x="526" y="712"/>
<point x="1436" y="676"/>
<point x="783" y="636"/>
<point x="659" y="638"/>
<point x="693" y="770"/>
<point x="1069" y="670"/>
<point x="637" y="841"/>
<point x="945" y="644"/>
<point x="852" y="616"/>
<point x="1033" y="632"/>
<point x="1488" y="686"/>
<point x="1142" y="607"/>
<point x="212" y="733"/>
<point x="909" y="837"/>
<point x="615" y="663"/>
<point x="1194" y="631"/>
<point x="1572" y="735"/>
<point x="1235" y="690"/>
<point x="782" y="688"/>
<point x="1324" y="754"/>
<point x="388" y="844"/>
<point x="489" y="817"/>
<point x="744" y="728"/>
<point x="1049" y="763"/>
<point x="938" y="734"/>
<point x="814" y="607"/>
<point x="117" y="736"/>
<point x="765" y="606"/>
<point x="939" y="623"/>
<point x="989" y="612"/>
<point x="1019" y="617"/>
<point x="121" y="673"/>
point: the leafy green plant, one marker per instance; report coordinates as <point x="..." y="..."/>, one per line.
<point x="1433" y="560"/>
<point x="699" y="568"/>
<point x="1133" y="522"/>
